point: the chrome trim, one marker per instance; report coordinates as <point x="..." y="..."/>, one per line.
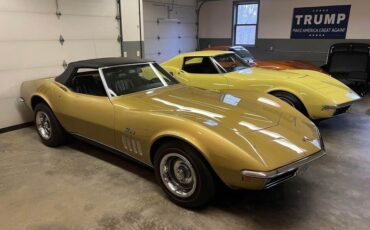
<point x="107" y="89"/>
<point x="334" y="107"/>
<point x="285" y="169"/>
<point x="159" y="75"/>
<point x="139" y="63"/>
<point x="112" y="148"/>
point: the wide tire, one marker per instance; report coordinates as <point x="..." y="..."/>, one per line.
<point x="48" y="127"/>
<point x="291" y="100"/>
<point x="186" y="170"/>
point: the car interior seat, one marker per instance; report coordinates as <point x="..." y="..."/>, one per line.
<point x="88" y="85"/>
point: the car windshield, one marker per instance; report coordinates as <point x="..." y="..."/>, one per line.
<point x="243" y="53"/>
<point x="231" y="62"/>
<point x="134" y="78"/>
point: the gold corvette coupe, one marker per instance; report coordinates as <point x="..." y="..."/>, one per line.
<point x="193" y="138"/>
<point x="315" y="94"/>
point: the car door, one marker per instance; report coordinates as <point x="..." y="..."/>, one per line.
<point x="86" y="110"/>
<point x="201" y="72"/>
<point x="241" y="76"/>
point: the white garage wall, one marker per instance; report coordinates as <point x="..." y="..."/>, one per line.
<point x="174" y="37"/>
<point x="30" y="48"/>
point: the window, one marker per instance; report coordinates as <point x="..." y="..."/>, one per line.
<point x="231" y="62"/>
<point x="200" y="65"/>
<point x="134" y="78"/>
<point x="87" y="81"/>
<point x="245" y="23"/>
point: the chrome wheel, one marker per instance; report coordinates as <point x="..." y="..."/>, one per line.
<point x="43" y="125"/>
<point x="178" y="175"/>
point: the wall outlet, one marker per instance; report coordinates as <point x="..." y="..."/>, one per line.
<point x="138" y="53"/>
<point x="125" y="54"/>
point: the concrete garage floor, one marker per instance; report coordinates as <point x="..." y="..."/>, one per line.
<point x="79" y="187"/>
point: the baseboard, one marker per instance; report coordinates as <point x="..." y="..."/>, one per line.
<point x="15" y="127"/>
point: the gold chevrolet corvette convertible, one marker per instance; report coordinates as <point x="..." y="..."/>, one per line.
<point x="315" y="94"/>
<point x="193" y="138"/>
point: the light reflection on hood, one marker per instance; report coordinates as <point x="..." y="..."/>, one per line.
<point x="190" y="109"/>
<point x="278" y="138"/>
<point x="268" y="101"/>
<point x="290" y="145"/>
<point x="231" y="100"/>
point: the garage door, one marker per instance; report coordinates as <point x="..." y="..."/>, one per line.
<point x="31" y="48"/>
<point x="169" y="28"/>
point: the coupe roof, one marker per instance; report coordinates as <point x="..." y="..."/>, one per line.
<point x="95" y="64"/>
<point x="205" y="53"/>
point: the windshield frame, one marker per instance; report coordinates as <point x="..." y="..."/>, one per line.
<point x="152" y="65"/>
<point x="219" y="66"/>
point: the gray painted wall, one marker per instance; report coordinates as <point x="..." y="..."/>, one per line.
<point x="313" y="50"/>
<point x="132" y="47"/>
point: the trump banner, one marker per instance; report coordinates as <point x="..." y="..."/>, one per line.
<point x="324" y="22"/>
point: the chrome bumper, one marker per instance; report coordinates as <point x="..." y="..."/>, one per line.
<point x="284" y="173"/>
<point x="340" y="106"/>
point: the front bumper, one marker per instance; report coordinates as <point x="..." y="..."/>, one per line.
<point x="274" y="177"/>
<point x="338" y="109"/>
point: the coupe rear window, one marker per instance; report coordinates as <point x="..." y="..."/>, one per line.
<point x="231" y="62"/>
<point x="134" y="78"/>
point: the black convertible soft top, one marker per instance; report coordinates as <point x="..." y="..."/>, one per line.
<point x="95" y="64"/>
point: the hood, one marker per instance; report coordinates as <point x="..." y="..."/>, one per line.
<point x="318" y="80"/>
<point x="213" y="109"/>
<point x="284" y="65"/>
<point x="313" y="79"/>
<point x="253" y="123"/>
<point x="291" y="140"/>
<point x="265" y="74"/>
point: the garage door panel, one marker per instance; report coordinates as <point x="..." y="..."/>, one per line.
<point x="39" y="26"/>
<point x="168" y="44"/>
<point x="83" y="27"/>
<point x="168" y="55"/>
<point x="188" y="30"/>
<point x="75" y="50"/>
<point x="154" y="13"/>
<point x="151" y="46"/>
<point x="188" y="44"/>
<point x="11" y="89"/>
<point x="29" y="54"/>
<point x="30" y="47"/>
<point x="88" y="7"/>
<point x="168" y="30"/>
<point x="35" y="6"/>
<point x="184" y="14"/>
<point x="151" y="30"/>
<point x="107" y="48"/>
